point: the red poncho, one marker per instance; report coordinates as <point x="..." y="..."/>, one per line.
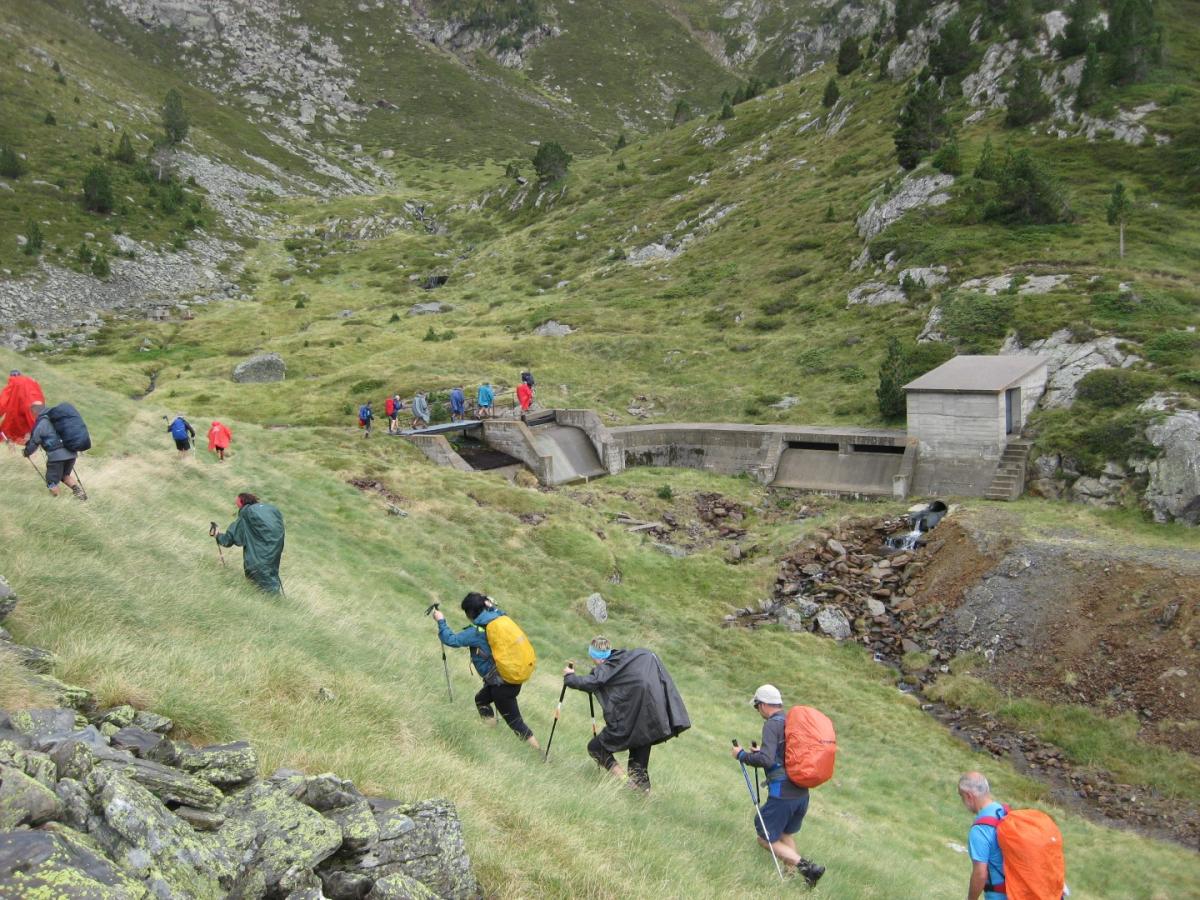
<point x="219" y="436"/>
<point x="524" y="396"/>
<point x="16" y="421"/>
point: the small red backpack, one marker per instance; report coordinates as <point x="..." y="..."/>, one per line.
<point x="810" y="746"/>
<point x="1034" y="866"/>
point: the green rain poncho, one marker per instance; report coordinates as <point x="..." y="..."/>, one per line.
<point x="258" y="530"/>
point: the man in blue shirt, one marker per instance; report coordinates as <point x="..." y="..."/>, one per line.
<point x="982" y="844"/>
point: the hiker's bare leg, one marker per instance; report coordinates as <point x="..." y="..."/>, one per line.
<point x="533" y="742"/>
<point x="782" y="850"/>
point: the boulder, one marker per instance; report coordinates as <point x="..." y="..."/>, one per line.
<point x="152" y="721"/>
<point x="1069" y="361"/>
<point x="61" y="864"/>
<point x="913" y="193"/>
<point x="553" y="328"/>
<point x="428" y="309"/>
<point x="597" y="608"/>
<point x="121" y="716"/>
<point x="875" y="293"/>
<point x="400" y="887"/>
<point x="358" y="825"/>
<point x="833" y="622"/>
<point x="77" y="758"/>
<point x="423" y="841"/>
<point x="260" y="369"/>
<point x="8" y="599"/>
<point x="44" y="727"/>
<point x="290" y="837"/>
<point x="32" y="658"/>
<point x="137" y="741"/>
<point x="792" y="620"/>
<point x="220" y="764"/>
<point x="1173" y="491"/>
<point x="875" y="607"/>
<point x="25" y="801"/>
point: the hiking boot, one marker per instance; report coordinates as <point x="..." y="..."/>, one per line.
<point x="811" y="871"/>
<point x="79" y="492"/>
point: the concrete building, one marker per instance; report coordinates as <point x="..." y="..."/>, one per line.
<point x="966" y="416"/>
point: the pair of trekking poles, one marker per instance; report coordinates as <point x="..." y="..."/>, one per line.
<point x="42" y="475"/>
<point x="558" y="714"/>
<point x="754" y="801"/>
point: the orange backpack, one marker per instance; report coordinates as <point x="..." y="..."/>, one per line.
<point x="810" y="746"/>
<point x="1032" y="845"/>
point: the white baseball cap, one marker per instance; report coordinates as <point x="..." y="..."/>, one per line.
<point x="768" y="694"/>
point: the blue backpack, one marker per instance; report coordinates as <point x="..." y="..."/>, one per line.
<point x="179" y="429"/>
<point x="364" y="413"/>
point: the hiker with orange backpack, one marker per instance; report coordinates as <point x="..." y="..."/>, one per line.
<point x="502" y="655"/>
<point x="1015" y="853"/>
<point x="793" y="762"/>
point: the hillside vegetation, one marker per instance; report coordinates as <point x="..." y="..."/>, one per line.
<point x="128" y="593"/>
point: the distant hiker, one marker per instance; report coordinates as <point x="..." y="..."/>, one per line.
<point x="393" y="407"/>
<point x="365" y="417"/>
<point x="219" y="438"/>
<point x="420" y="407"/>
<point x="183" y="433"/>
<point x="16" y="399"/>
<point x="787" y="802"/>
<point x="485" y="400"/>
<point x="640" y="703"/>
<point x="60" y="458"/>
<point x="524" y="396"/>
<point x="501" y="654"/>
<point x="458" y="404"/>
<point x="527" y="380"/>
<point x="258" y="530"/>
<point x="1015" y="853"/>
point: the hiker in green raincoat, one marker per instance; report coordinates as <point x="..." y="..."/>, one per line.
<point x="258" y="530"/>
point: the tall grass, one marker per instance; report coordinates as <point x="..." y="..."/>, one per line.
<point x="128" y="592"/>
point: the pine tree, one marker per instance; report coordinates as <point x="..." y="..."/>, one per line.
<point x="174" y="117"/>
<point x="1133" y="39"/>
<point x="849" y="57"/>
<point x="727" y="111"/>
<point x="1026" y="194"/>
<point x="890" y="393"/>
<point x="1080" y="29"/>
<point x="1026" y="100"/>
<point x="922" y="125"/>
<point x="125" y="152"/>
<point x="830" y="215"/>
<point x="11" y="164"/>
<point x="831" y="93"/>
<point x="97" y="190"/>
<point x="100" y="266"/>
<point x="1119" y="205"/>
<point x="551" y="161"/>
<point x="683" y="112"/>
<point x="948" y="159"/>
<point x="1091" y="79"/>
<point x="33" y="238"/>
<point x="1019" y="19"/>
<point x="985" y="169"/>
<point x="621" y="142"/>
<point x="952" y="52"/>
<point x="908" y="14"/>
<point x="49" y="119"/>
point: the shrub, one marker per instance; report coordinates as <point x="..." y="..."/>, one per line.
<point x="551" y="161"/>
<point x="1110" y="388"/>
<point x="125" y="152"/>
<point x="831" y="95"/>
<point x="948" y="159"/>
<point x="1027" y="194"/>
<point x="368" y="386"/>
<point x="100" y="266"/>
<point x="1172" y="347"/>
<point x="49" y="119"/>
<point x="172" y="198"/>
<point x="1026" y="100"/>
<point x="33" y="238"/>
<point x="84" y="254"/>
<point x="11" y="164"/>
<point x="174" y="117"/>
<point x="97" y="190"/>
<point x="977" y="322"/>
<point x="665" y="493"/>
<point x="985" y="169"/>
<point x="849" y="58"/>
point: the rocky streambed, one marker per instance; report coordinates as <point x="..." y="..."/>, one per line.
<point x="107" y="803"/>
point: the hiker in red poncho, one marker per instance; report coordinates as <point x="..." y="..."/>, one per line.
<point x="219" y="438"/>
<point x="16" y="419"/>
<point x="524" y="396"/>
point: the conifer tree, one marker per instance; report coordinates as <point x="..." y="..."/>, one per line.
<point x="174" y="117"/>
<point x="948" y="159"/>
<point x="124" y="152"/>
<point x="908" y="14"/>
<point x="1026" y="194"/>
<point x="849" y="57"/>
<point x="727" y="111"/>
<point x="985" y="169"/>
<point x="683" y="112"/>
<point x="621" y="142"/>
<point x="551" y="161"/>
<point x="952" y="52"/>
<point x="1019" y="19"/>
<point x="1119" y="206"/>
<point x="1080" y="29"/>
<point x="890" y="393"/>
<point x="33" y="238"/>
<point x="1133" y="40"/>
<point x="97" y="190"/>
<point x="922" y="125"/>
<point x="1026" y="100"/>
<point x="11" y="164"/>
<point x="1091" y="79"/>
<point x="831" y="93"/>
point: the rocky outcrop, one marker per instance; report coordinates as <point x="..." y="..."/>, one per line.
<point x="1070" y="360"/>
<point x="914" y="192"/>
<point x="260" y="369"/>
<point x="96" y="805"/>
<point x="553" y="328"/>
<point x="1173" y="491"/>
<point x="912" y="55"/>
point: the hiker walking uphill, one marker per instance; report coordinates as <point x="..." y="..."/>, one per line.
<point x="219" y="439"/>
<point x="392" y="408"/>
<point x="485" y="399"/>
<point x="524" y="397"/>
<point x="365" y="417"/>
<point x="778" y="820"/>
<point x="420" y="408"/>
<point x="458" y="404"/>
<point x="61" y="433"/>
<point x="1015" y="853"/>
<point x="183" y="433"/>
<point x="501" y="654"/>
<point x="640" y="703"/>
<point x="258" y="530"/>
<point x="16" y="402"/>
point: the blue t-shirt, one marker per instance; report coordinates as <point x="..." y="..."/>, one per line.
<point x="983" y="846"/>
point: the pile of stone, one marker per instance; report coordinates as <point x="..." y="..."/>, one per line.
<point x="722" y="514"/>
<point x="846" y="583"/>
<point x="105" y="803"/>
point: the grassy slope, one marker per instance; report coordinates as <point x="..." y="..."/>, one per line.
<point x="128" y="593"/>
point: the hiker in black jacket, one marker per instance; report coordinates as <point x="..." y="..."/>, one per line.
<point x="60" y="462"/>
<point x="640" y="703"/>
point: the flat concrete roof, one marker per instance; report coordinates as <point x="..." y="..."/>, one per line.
<point x="977" y="374"/>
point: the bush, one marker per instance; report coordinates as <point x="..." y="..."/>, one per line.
<point x="1027" y="194"/>
<point x="100" y="266"/>
<point x="849" y="58"/>
<point x="1110" y="388"/>
<point x="97" y="190"/>
<point x="49" y="119"/>
<point x="1026" y="100"/>
<point x="171" y="198"/>
<point x="665" y="493"/>
<point x="948" y="159"/>
<point x="11" y="164"/>
<point x="125" y="152"/>
<point x="551" y="161"/>
<point x="33" y="238"/>
<point x="977" y="322"/>
<point x="174" y="117"/>
<point x="84" y="254"/>
<point x="985" y="169"/>
<point x="831" y="95"/>
<point x="1172" y="347"/>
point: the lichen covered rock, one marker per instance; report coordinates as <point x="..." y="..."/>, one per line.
<point x="60" y="864"/>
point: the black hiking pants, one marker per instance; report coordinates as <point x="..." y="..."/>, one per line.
<point x="639" y="761"/>
<point x="504" y="696"/>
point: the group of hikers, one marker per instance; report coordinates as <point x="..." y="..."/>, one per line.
<point x="459" y="406"/>
<point x="184" y="435"/>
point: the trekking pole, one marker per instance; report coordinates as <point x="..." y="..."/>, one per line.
<point x="592" y="708"/>
<point x="445" y="665"/>
<point x="212" y="532"/>
<point x="35" y="468"/>
<point x="758" y="812"/>
<point x="757" y="795"/>
<point x="557" y="713"/>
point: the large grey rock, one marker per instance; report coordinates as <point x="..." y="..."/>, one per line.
<point x="61" y="864"/>
<point x="24" y="800"/>
<point x="77" y="758"/>
<point x="875" y="293"/>
<point x="914" y="192"/>
<point x="290" y="837"/>
<point x="553" y="329"/>
<point x="260" y="369"/>
<point x="137" y="741"/>
<point x="426" y="309"/>
<point x="152" y="721"/>
<point x="357" y="823"/>
<point x="1173" y="491"/>
<point x="833" y="622"/>
<point x="423" y="841"/>
<point x="597" y="608"/>
<point x="8" y="599"/>
<point x="33" y="658"/>
<point x="1094" y="491"/>
<point x="219" y="764"/>
<point x="44" y="727"/>
<point x="1069" y="361"/>
<point x="400" y="887"/>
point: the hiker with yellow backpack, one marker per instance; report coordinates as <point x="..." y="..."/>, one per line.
<point x="502" y="655"/>
<point x="797" y="753"/>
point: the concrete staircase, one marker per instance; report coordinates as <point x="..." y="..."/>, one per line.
<point x="1009" y="481"/>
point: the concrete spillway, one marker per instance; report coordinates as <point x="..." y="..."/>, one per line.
<point x="829" y="470"/>
<point x="571" y="451"/>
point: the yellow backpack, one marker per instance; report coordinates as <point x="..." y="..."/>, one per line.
<point x="511" y="650"/>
